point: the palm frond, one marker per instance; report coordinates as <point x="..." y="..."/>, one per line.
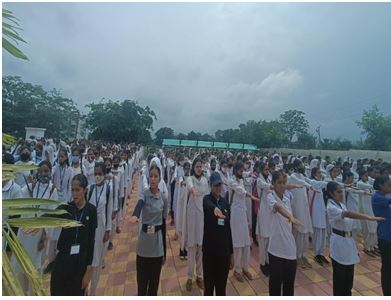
<point x="11" y="284"/>
<point x="43" y="222"/>
<point x="8" y="203"/>
<point x="32" y="211"/>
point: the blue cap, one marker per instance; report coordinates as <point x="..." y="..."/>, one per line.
<point x="215" y="179"/>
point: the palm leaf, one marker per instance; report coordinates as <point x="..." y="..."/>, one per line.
<point x="25" y="262"/>
<point x="18" y="168"/>
<point x="7" y="176"/>
<point x="11" y="284"/>
<point x="8" y="140"/>
<point x="8" y="203"/>
<point x="13" y="35"/>
<point x="43" y="222"/>
<point x="31" y="211"/>
<point x="13" y="50"/>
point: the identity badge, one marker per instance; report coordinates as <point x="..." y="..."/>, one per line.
<point x="75" y="249"/>
<point x="220" y="222"/>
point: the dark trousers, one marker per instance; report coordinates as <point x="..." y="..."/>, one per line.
<point x="282" y="275"/>
<point x="385" y="251"/>
<point x="67" y="275"/>
<point x="148" y="275"/>
<point x="216" y="270"/>
<point x="342" y="279"/>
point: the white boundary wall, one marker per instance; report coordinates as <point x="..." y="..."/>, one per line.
<point x="334" y="154"/>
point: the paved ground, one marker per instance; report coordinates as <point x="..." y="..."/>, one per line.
<point x="119" y="274"/>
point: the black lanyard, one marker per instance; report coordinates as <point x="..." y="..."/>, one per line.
<point x="77" y="228"/>
<point x="43" y="192"/>
<point x="97" y="200"/>
<point x="61" y="177"/>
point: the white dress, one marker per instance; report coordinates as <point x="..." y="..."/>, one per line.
<point x="62" y="180"/>
<point x="317" y="205"/>
<point x="98" y="199"/>
<point x="264" y="216"/>
<point x="195" y="211"/>
<point x="30" y="241"/>
<point x="300" y="205"/>
<point x="239" y="224"/>
<point x="365" y="205"/>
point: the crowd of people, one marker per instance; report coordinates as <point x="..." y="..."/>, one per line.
<point x="220" y="203"/>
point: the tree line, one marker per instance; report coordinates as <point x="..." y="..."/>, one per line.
<point x="29" y="105"/>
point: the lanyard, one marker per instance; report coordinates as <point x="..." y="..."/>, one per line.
<point x="61" y="177"/>
<point x="97" y="200"/>
<point x="77" y="228"/>
<point x="43" y="192"/>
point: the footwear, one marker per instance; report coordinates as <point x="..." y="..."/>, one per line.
<point x="300" y="263"/>
<point x="189" y="284"/>
<point x="325" y="260"/>
<point x="307" y="263"/>
<point x="200" y="283"/>
<point x="319" y="260"/>
<point x="181" y="255"/>
<point x="248" y="275"/>
<point x="110" y="247"/>
<point x="369" y="253"/>
<point x="265" y="270"/>
<point x="238" y="276"/>
<point x="49" y="268"/>
<point x="118" y="230"/>
<point x="377" y="251"/>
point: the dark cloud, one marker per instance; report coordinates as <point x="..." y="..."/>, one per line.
<point x="206" y="66"/>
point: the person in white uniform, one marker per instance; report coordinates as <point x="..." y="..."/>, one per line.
<point x="343" y="249"/>
<point x="198" y="187"/>
<point x="241" y="229"/>
<point x="88" y="166"/>
<point x="181" y="212"/>
<point x="365" y="207"/>
<point x="281" y="247"/>
<point x="35" y="241"/>
<point x="100" y="194"/>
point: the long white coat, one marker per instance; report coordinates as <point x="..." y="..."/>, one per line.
<point x="103" y="226"/>
<point x="365" y="205"/>
<point x="195" y="211"/>
<point x="300" y="203"/>
<point x="239" y="224"/>
<point x="62" y="180"/>
<point x="264" y="215"/>
<point x="30" y="241"/>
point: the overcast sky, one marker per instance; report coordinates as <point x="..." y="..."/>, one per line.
<point x="205" y="67"/>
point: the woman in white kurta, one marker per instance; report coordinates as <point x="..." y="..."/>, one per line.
<point x="318" y="216"/>
<point x="100" y="195"/>
<point x="88" y="166"/>
<point x="365" y="206"/>
<point x="198" y="187"/>
<point x="263" y="217"/>
<point x="181" y="212"/>
<point x="241" y="229"/>
<point x="34" y="243"/>
<point x="178" y="177"/>
<point x="22" y="176"/>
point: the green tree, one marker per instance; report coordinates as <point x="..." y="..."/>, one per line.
<point x="28" y="105"/>
<point x="120" y="122"/>
<point x="163" y="133"/>
<point x="377" y="129"/>
<point x="294" y="124"/>
<point x="306" y="141"/>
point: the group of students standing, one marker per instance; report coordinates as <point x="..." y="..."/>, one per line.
<point x="94" y="181"/>
<point x="278" y="205"/>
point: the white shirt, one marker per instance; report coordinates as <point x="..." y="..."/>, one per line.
<point x="281" y="241"/>
<point x="342" y="249"/>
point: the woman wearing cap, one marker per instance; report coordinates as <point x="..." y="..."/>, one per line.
<point x="217" y="248"/>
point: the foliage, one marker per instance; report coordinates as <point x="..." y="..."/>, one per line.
<point x="294" y="124"/>
<point x="28" y="105"/>
<point x="377" y="128"/>
<point x="163" y="133"/>
<point x="10" y="32"/>
<point x="336" y="144"/>
<point x="26" y="207"/>
<point x="120" y="122"/>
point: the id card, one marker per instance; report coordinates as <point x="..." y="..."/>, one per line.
<point x="150" y="229"/>
<point x="220" y="222"/>
<point x="75" y="249"/>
